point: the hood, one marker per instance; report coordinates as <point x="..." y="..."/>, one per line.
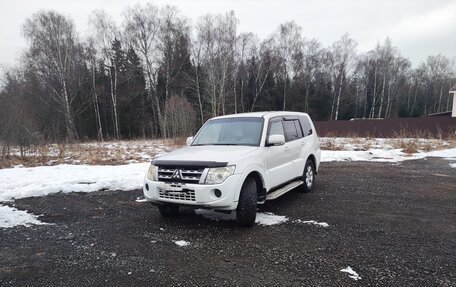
<point x="220" y="154"/>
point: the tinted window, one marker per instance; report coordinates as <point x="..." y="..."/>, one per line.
<point x="305" y="125"/>
<point x="276" y="128"/>
<point x="298" y="128"/>
<point x="291" y="133"/>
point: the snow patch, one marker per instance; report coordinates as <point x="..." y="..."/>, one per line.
<point x="182" y="243"/>
<point x="262" y="218"/>
<point x="353" y="275"/>
<point x="269" y="218"/>
<point x="323" y="224"/>
<point x="10" y="217"/>
<point x="382" y="155"/>
<point x="453" y="165"/>
<point x="141" y="199"/>
<point x="43" y="180"/>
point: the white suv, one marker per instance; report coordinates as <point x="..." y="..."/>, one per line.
<point x="236" y="162"/>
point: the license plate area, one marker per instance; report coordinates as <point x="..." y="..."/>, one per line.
<point x="176" y="191"/>
<point x="171" y="187"/>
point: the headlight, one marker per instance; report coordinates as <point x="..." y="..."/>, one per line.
<point x="152" y="173"/>
<point x="219" y="174"/>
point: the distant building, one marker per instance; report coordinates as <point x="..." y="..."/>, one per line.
<point x="453" y="91"/>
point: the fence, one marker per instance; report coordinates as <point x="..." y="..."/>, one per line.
<point x="438" y="126"/>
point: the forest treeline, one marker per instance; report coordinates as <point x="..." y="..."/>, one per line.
<point x="156" y="74"/>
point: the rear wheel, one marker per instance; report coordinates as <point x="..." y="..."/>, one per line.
<point x="168" y="210"/>
<point x="247" y="205"/>
<point x="308" y="177"/>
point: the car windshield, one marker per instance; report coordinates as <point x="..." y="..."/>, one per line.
<point x="230" y="131"/>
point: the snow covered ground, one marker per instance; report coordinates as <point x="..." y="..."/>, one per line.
<point x="10" y="217"/>
<point x="263" y="218"/>
<point x="352" y="274"/>
<point x="20" y="182"/>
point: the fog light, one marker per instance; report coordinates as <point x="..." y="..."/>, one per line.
<point x="217" y="192"/>
<point x="147" y="187"/>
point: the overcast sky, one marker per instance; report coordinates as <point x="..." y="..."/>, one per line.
<point x="418" y="28"/>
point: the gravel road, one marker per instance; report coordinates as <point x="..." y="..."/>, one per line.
<point x="393" y="224"/>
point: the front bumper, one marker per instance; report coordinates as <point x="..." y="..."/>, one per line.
<point x="202" y="195"/>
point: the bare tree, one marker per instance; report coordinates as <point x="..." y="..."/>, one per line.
<point x="92" y="58"/>
<point x="180" y="117"/>
<point x="216" y="35"/>
<point x="289" y="43"/>
<point x="142" y="25"/>
<point x="343" y="52"/>
<point x="54" y="56"/>
<point x="105" y="33"/>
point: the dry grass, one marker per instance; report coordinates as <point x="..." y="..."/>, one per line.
<point x="409" y="147"/>
<point x="330" y="144"/>
<point x="93" y="153"/>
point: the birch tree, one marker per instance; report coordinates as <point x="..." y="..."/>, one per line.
<point x="92" y="59"/>
<point x="105" y="34"/>
<point x="288" y="42"/>
<point x="142" y="25"/>
<point x="343" y="52"/>
<point x="54" y="56"/>
<point x="216" y="37"/>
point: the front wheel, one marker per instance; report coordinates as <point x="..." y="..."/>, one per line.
<point x="168" y="210"/>
<point x="308" y="177"/>
<point x="247" y="205"/>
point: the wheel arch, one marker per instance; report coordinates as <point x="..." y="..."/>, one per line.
<point x="314" y="161"/>
<point x="257" y="174"/>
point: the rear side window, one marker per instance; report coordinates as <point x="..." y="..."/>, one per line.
<point x="306" y="127"/>
<point x="292" y="130"/>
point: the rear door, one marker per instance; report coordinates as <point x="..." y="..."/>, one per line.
<point x="294" y="142"/>
<point x="279" y="159"/>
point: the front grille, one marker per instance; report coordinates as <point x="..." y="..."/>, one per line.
<point x="176" y="174"/>
<point x="188" y="195"/>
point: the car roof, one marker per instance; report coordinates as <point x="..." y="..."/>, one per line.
<point x="266" y="114"/>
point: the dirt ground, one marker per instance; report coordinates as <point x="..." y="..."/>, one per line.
<point x="394" y="224"/>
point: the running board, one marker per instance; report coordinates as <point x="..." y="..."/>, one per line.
<point x="281" y="191"/>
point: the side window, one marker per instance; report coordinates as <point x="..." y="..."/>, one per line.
<point x="298" y="128"/>
<point x="276" y="128"/>
<point x="291" y="133"/>
<point x="305" y="125"/>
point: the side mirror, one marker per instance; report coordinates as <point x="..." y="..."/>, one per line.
<point x="189" y="140"/>
<point x="276" y="140"/>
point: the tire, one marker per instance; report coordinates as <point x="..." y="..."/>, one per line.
<point x="168" y="210"/>
<point x="247" y="205"/>
<point x="308" y="177"/>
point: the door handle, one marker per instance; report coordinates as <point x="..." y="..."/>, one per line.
<point x="303" y="143"/>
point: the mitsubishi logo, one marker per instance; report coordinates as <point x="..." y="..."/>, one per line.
<point x="177" y="174"/>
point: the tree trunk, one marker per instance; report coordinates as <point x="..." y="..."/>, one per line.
<point x="96" y="107"/>
<point x="114" y="99"/>
<point x="333" y="100"/>
<point x="339" y="93"/>
<point x="440" y="100"/>
<point x="306" y="102"/>
<point x="372" y="112"/>
<point x="69" y="123"/>
<point x="414" y="101"/>
<point x="284" y="92"/>
<point x="235" y="97"/>
<point x="199" y="94"/>
<point x="381" y="98"/>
